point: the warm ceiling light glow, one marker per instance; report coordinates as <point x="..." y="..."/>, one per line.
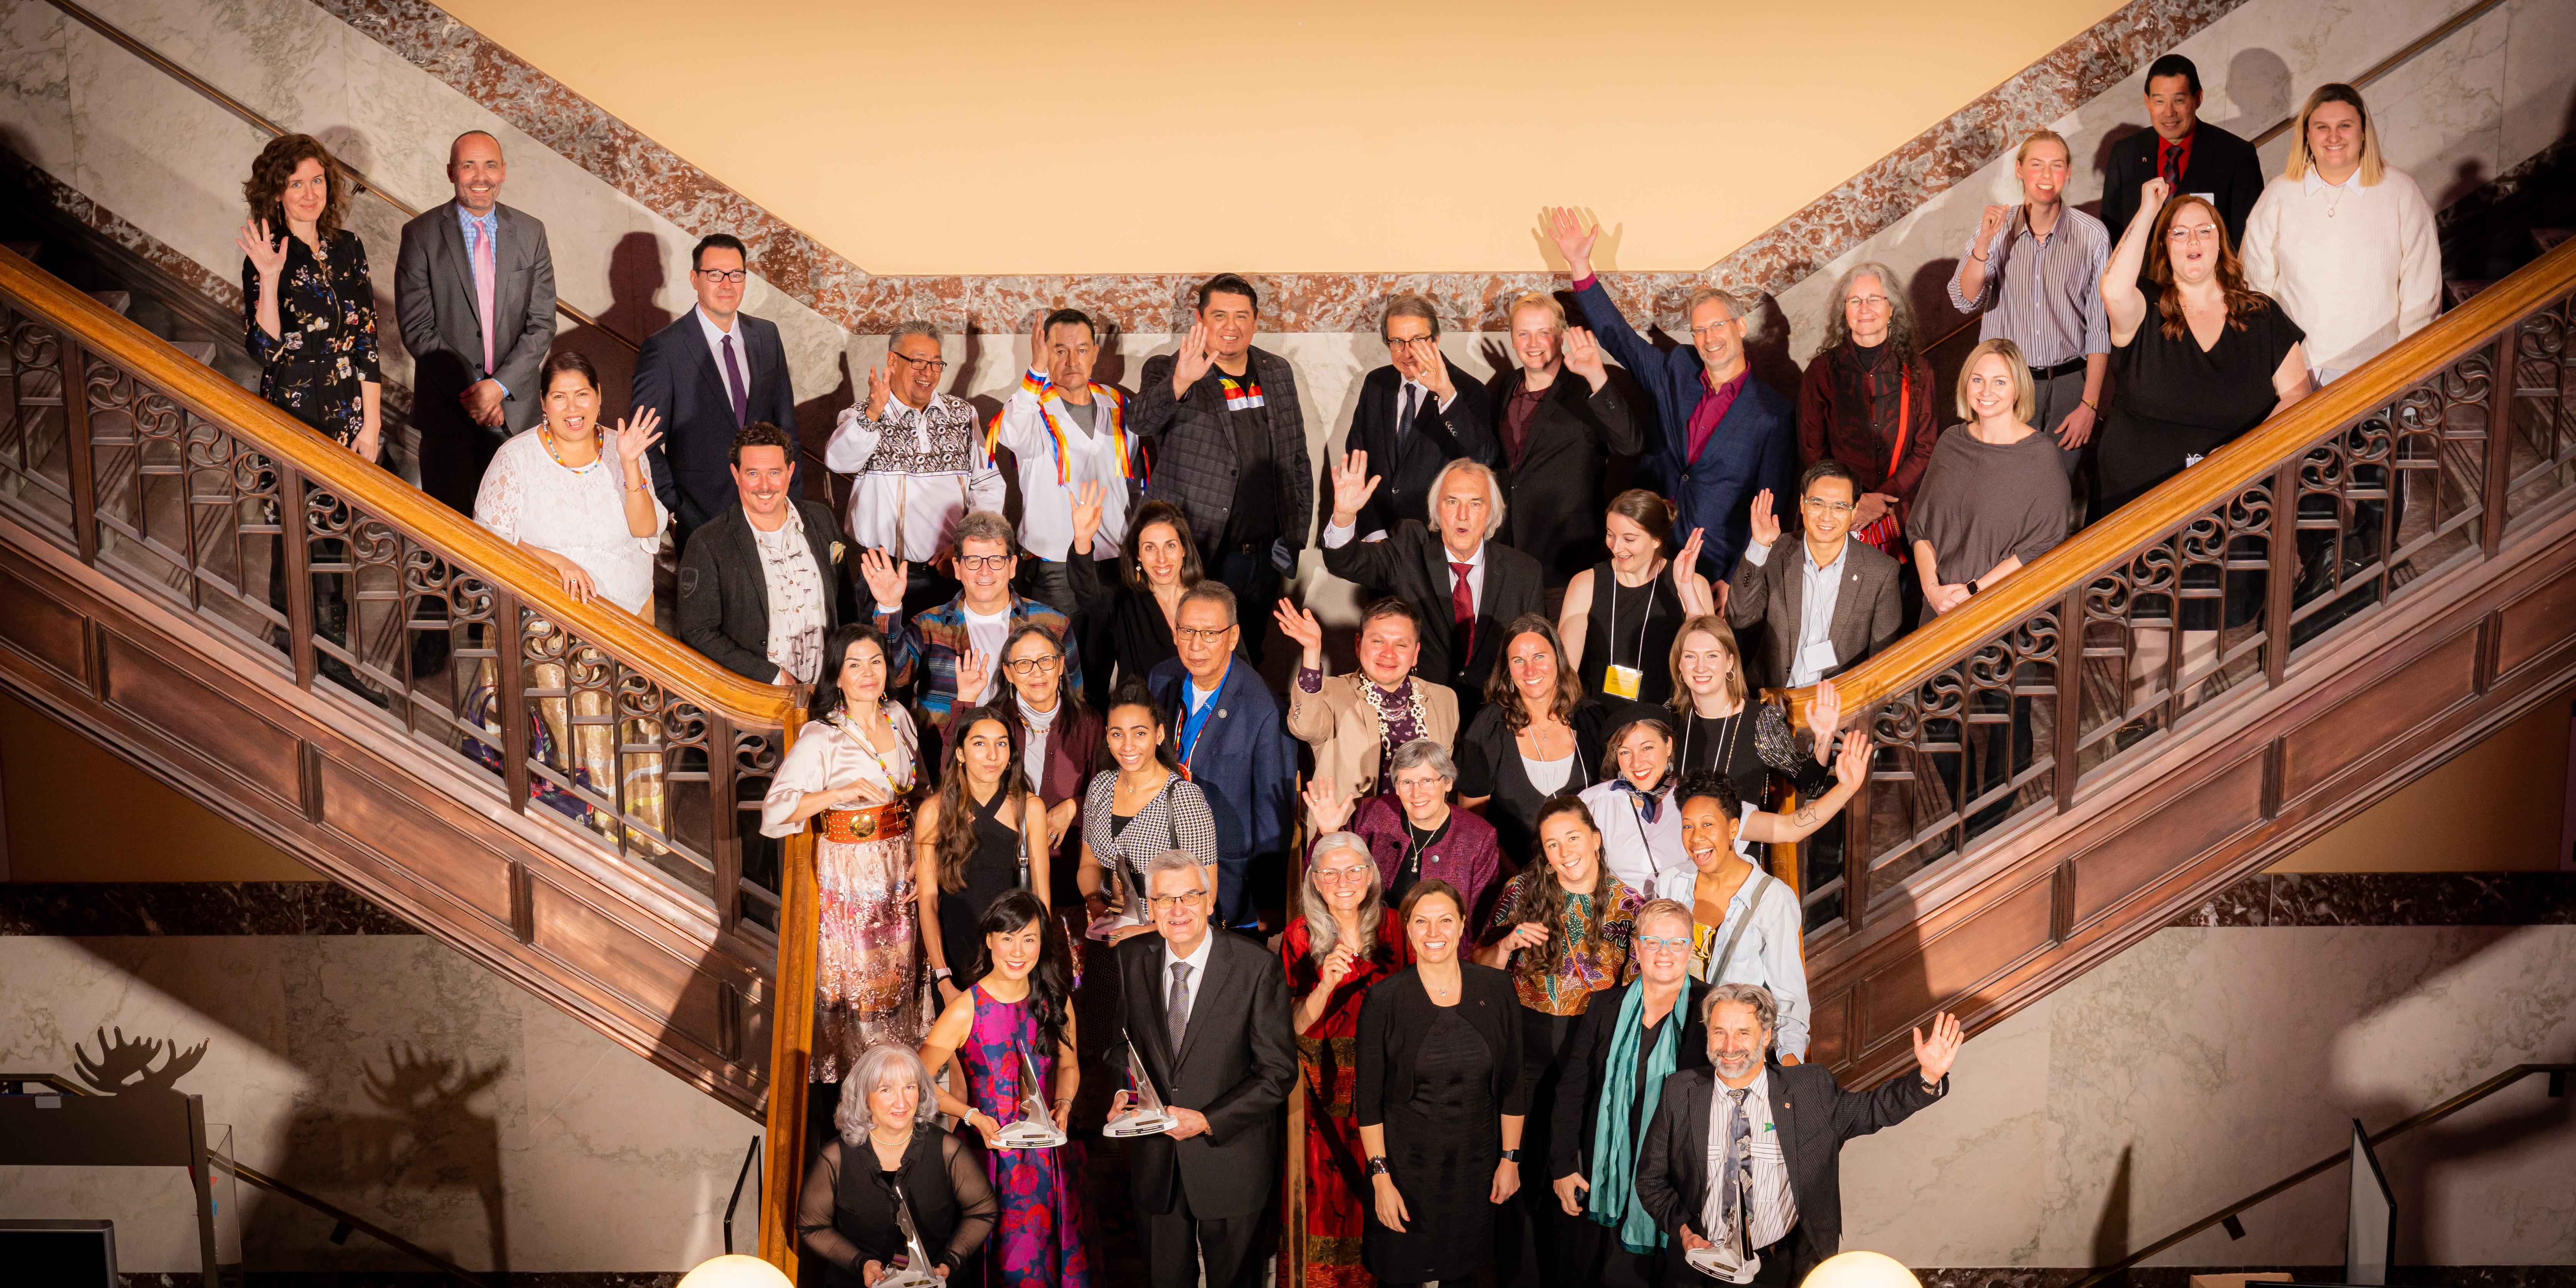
<point x="1861" y="1270"/>
<point x="738" y="1271"/>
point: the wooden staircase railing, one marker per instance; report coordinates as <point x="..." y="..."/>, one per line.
<point x="2060" y="770"/>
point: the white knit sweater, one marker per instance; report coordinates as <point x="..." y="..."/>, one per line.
<point x="2357" y="268"/>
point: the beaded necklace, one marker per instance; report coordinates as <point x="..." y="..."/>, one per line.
<point x="841" y="720"/>
<point x="1412" y="703"/>
<point x="546" y="435"/>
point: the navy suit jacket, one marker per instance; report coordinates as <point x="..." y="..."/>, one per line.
<point x="1755" y="446"/>
<point x="1244" y="762"/>
<point x="676" y="375"/>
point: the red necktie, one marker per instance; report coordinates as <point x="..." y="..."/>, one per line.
<point x="1462" y="612"/>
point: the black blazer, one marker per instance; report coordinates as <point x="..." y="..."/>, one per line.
<point x="2222" y="165"/>
<point x="1438" y="438"/>
<point x="1236" y="1063"/>
<point x="1413" y="566"/>
<point x="1814" y="1116"/>
<point x="1584" y="1064"/>
<point x="724" y="600"/>
<point x="1552" y="499"/>
<point x="1396" y="1014"/>
<point x="676" y="375"/>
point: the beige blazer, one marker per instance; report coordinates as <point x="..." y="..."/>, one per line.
<point x="1339" y="725"/>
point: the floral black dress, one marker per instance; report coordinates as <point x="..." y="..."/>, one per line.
<point x="326" y="346"/>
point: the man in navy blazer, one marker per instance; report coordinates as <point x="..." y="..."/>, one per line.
<point x="1231" y="740"/>
<point x="1721" y="436"/>
<point x="709" y="374"/>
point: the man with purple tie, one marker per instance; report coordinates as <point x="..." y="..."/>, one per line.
<point x="709" y="374"/>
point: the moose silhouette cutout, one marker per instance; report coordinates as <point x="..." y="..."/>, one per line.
<point x="134" y="1066"/>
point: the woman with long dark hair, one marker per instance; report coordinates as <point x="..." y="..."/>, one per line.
<point x="308" y="306"/>
<point x="1059" y="741"/>
<point x="1533" y="738"/>
<point x="852" y="764"/>
<point x="1130" y="621"/>
<point x="1019" y="1012"/>
<point x="982" y="836"/>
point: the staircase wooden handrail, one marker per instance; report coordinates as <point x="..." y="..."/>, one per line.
<point x="327" y="464"/>
<point x="2117" y="538"/>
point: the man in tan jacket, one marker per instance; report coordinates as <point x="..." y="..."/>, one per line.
<point x="1354" y="722"/>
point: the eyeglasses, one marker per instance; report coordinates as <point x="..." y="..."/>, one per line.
<point x="1194" y="634"/>
<point x="1337" y="876"/>
<point x="935" y="364"/>
<point x="1036" y="665"/>
<point x="972" y="563"/>
<point x="1159" y="901"/>
<point x="2205" y="232"/>
<point x="1711" y="328"/>
<point x="1414" y="341"/>
<point x="1661" y="944"/>
<point x="723" y="275"/>
<point x="1865" y="301"/>
<point x="1826" y="506"/>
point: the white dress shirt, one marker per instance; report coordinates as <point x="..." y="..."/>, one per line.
<point x="1634" y="850"/>
<point x="1336" y="537"/>
<point x="1820" y="587"/>
<point x="741" y="356"/>
<point x="1770" y="1207"/>
<point x="1197" y="962"/>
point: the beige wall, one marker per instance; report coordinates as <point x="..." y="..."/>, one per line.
<point x="76" y="812"/>
<point x="1014" y="137"/>
<point x="2497" y="807"/>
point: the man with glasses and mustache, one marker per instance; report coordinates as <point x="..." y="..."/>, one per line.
<point x="921" y="465"/>
<point x="1231" y="742"/>
<point x="1207" y="1014"/>
<point x="951" y="656"/>
<point x="1415" y="415"/>
<point x="1832" y="604"/>
<point x="1745" y="1156"/>
<point x="709" y="374"/>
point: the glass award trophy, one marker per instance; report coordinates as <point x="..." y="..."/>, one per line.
<point x="916" y="1271"/>
<point x="1036" y="1128"/>
<point x="1145" y="1114"/>
<point x="1722" y="1260"/>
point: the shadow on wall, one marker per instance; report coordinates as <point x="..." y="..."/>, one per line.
<point x="635" y="281"/>
<point x="423" y="1147"/>
<point x="2258" y="85"/>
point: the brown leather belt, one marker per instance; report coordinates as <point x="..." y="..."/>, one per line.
<point x="873" y="823"/>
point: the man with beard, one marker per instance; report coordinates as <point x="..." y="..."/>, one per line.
<point x="756" y="585"/>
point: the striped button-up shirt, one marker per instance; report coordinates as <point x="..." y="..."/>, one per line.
<point x="1770" y="1208"/>
<point x="2043" y="293"/>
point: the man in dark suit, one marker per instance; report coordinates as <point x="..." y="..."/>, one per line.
<point x="1721" y="436"/>
<point x="1415" y="415"/>
<point x="730" y="590"/>
<point x="1460" y="579"/>
<point x="1230" y="434"/>
<point x="1555" y="436"/>
<point x="1780" y="1195"/>
<point x="1206" y="1013"/>
<point x="474" y="291"/>
<point x="1232" y="741"/>
<point x="1828" y="604"/>
<point x="2192" y="155"/>
<point x="709" y="374"/>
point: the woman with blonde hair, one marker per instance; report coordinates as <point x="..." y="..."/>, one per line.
<point x="1995" y="495"/>
<point x="1719" y="725"/>
<point x="2344" y="241"/>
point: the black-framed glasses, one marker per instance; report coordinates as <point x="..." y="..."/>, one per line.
<point x="973" y="563"/>
<point x="935" y="364"/>
<point x="733" y="275"/>
<point x="1036" y="665"/>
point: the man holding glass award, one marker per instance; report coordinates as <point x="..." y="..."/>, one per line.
<point x="1742" y="1165"/>
<point x="1209" y="1036"/>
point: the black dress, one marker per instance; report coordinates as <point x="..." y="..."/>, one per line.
<point x="845" y="1214"/>
<point x="325" y="349"/>
<point x="1746" y="747"/>
<point x="1489" y="764"/>
<point x="2178" y="403"/>
<point x="1631" y="626"/>
<point x="1438" y="1079"/>
<point x="993" y="870"/>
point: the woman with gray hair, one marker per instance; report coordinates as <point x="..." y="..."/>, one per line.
<point x="1867" y="402"/>
<point x="1414" y="831"/>
<point x="889" y="1143"/>
<point x="1348" y="938"/>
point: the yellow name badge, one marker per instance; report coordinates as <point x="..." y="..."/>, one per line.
<point x="1623" y="681"/>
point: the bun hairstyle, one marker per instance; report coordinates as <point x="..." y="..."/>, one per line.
<point x="1649" y="511"/>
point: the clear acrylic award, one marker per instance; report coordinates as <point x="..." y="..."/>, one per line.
<point x="916" y="1271"/>
<point x="1722" y="1260"/>
<point x="1145" y="1114"/>
<point x="1036" y="1128"/>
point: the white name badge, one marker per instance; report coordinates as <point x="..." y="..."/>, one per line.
<point x="1816" y="658"/>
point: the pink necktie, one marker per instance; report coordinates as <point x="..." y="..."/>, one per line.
<point x="483" y="281"/>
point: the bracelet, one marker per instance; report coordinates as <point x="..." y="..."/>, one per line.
<point x="1511" y="1156"/>
<point x="941" y="972"/>
<point x="1377" y="1166"/>
<point x="1972" y="585"/>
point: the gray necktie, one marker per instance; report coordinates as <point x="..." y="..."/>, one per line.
<point x="1176" y="1004"/>
<point x="1737" y="1184"/>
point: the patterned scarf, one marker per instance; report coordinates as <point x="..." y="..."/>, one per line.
<point x="1648" y="803"/>
<point x="1613" y="1201"/>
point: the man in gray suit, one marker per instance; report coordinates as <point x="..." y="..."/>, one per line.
<point x="474" y="289"/>
<point x="1825" y="608"/>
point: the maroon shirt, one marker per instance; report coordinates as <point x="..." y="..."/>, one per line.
<point x="1712" y="409"/>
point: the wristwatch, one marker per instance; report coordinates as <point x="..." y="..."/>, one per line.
<point x="941" y="972"/>
<point x="1511" y="1156"/>
<point x="1377" y="1166"/>
<point x="1972" y="585"/>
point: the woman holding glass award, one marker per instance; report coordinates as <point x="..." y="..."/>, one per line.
<point x="1011" y="1036"/>
<point x="1134" y="811"/>
<point x="892" y="1185"/>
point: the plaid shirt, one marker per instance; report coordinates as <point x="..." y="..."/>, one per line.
<point x="927" y="648"/>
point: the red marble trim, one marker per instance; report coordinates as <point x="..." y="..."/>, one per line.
<point x="1857" y="209"/>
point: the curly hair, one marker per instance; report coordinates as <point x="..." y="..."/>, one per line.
<point x="265" y="188"/>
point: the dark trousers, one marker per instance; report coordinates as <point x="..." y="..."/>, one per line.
<point x="453" y="455"/>
<point x="1255" y="582"/>
<point x="1233" y="1249"/>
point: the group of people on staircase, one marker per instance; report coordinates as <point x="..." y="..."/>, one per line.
<point x="1528" y="914"/>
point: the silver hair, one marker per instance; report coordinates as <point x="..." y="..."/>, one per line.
<point x="1210" y="591"/>
<point x="1420" y="752"/>
<point x="911" y="326"/>
<point x="1322" y="932"/>
<point x="1766" y="1008"/>
<point x="855" y="1116"/>
<point x="1900" y="310"/>
<point x="1493" y="493"/>
<point x="1735" y="309"/>
<point x="1173" y="861"/>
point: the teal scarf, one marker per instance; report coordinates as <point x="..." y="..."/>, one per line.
<point x="1613" y="1199"/>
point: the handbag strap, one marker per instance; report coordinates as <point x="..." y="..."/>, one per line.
<point x="1764" y="882"/>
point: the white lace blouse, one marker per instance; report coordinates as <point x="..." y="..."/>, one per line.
<point x="579" y="514"/>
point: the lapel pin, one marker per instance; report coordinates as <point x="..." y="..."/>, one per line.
<point x="1220" y="713"/>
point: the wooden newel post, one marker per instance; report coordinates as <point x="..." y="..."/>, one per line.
<point x="791" y="1041"/>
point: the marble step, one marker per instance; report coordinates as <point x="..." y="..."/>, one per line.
<point x="117" y="300"/>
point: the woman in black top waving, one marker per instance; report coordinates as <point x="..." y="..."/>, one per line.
<point x="309" y="310"/>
